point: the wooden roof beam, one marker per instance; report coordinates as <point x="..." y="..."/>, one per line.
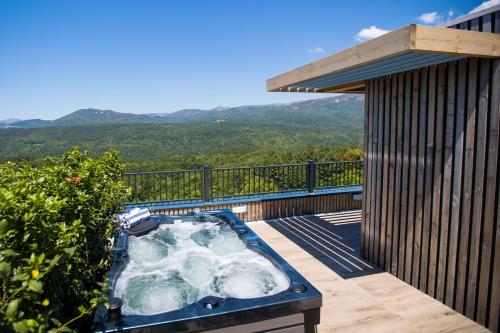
<point x="410" y="39"/>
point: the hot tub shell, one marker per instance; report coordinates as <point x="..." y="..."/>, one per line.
<point x="294" y="310"/>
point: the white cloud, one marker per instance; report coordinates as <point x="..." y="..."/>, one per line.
<point x="430" y="18"/>
<point x="484" y="5"/>
<point x="370" y="33"/>
<point x="450" y="13"/>
<point x="316" y="50"/>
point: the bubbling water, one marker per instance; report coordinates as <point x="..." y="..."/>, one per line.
<point x="179" y="264"/>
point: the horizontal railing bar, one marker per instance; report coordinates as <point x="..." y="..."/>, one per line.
<point x="259" y="167"/>
<point x="298" y="190"/>
<point x="160" y="172"/>
<point x="337" y="162"/>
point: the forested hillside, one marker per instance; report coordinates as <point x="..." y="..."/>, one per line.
<point x="249" y="135"/>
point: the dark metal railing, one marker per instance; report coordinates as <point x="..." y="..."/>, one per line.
<point x="222" y="183"/>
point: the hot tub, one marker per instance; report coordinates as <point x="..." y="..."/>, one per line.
<point x="204" y="272"/>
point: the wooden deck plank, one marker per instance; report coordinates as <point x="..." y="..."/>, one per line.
<point x="375" y="303"/>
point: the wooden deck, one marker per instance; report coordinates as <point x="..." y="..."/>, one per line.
<point x="357" y="297"/>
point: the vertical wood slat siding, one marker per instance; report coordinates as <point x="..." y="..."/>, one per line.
<point x="457" y="180"/>
<point x="392" y="170"/>
<point x="440" y="217"/>
<point x="365" y="231"/>
<point x="385" y="170"/>
<point x="379" y="222"/>
<point x="398" y="150"/>
<point x="494" y="315"/>
<point x="405" y="174"/>
<point x="422" y="136"/>
<point x="468" y="181"/>
<point x="410" y="224"/>
<point x="431" y="185"/>
<point x="429" y="161"/>
<point x="437" y="179"/>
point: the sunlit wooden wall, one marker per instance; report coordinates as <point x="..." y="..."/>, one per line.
<point x="431" y="209"/>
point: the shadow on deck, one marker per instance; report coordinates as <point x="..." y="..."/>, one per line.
<point x="333" y="239"/>
<point x="357" y="297"/>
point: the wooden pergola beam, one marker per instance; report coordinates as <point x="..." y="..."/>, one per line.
<point x="411" y="40"/>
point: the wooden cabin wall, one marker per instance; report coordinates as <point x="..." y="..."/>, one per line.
<point x="431" y="208"/>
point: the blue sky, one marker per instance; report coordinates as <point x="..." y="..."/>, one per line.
<point x="146" y="56"/>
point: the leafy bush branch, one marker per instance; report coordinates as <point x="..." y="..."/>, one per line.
<point x="55" y="222"/>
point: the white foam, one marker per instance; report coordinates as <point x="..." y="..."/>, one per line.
<point x="226" y="243"/>
<point x="180" y="272"/>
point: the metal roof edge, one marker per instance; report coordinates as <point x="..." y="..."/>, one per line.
<point x="469" y="16"/>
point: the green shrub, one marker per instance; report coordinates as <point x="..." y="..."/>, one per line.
<point x="55" y="225"/>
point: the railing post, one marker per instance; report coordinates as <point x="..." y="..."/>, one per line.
<point x="206" y="183"/>
<point x="310" y="176"/>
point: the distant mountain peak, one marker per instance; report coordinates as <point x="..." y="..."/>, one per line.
<point x="344" y="99"/>
<point x="221" y="108"/>
<point x="93" y="112"/>
<point x="9" y="121"/>
<point x="338" y="105"/>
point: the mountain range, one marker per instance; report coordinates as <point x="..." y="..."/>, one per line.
<point x="291" y="112"/>
<point x="318" y="129"/>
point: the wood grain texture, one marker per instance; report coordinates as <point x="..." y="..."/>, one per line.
<point x="269" y="209"/>
<point x="468" y="182"/>
<point x="421" y="170"/>
<point x="385" y="170"/>
<point x="398" y="174"/>
<point x="409" y="39"/>
<point x="412" y="188"/>
<point x="456" y="41"/>
<point x="436" y="183"/>
<point x="391" y="174"/>
<point x="443" y="199"/>
<point x="406" y="168"/>
<point x="428" y="181"/>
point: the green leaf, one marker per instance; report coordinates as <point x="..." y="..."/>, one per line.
<point x="70" y="250"/>
<point x="9" y="253"/>
<point x="12" y="307"/>
<point x="5" y="269"/>
<point x="35" y="286"/>
<point x="21" y="326"/>
<point x="55" y="321"/>
<point x="21" y="277"/>
<point x="41" y="258"/>
<point x="4" y="225"/>
<point x="27" y="217"/>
